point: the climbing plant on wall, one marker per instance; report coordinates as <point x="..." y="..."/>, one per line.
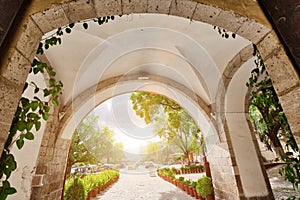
<point x="270" y="122"/>
<point x="31" y="111"/>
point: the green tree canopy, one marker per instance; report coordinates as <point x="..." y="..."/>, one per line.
<point x="117" y="153"/>
<point x="92" y="143"/>
<point x="171" y="120"/>
<point x="265" y="111"/>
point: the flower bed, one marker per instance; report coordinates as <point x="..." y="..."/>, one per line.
<point x="190" y="169"/>
<point x="91" y="184"/>
<point x="198" y="189"/>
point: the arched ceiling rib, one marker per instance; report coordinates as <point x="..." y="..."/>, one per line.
<point x="190" y="53"/>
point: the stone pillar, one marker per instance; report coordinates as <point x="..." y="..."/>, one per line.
<point x="17" y="52"/>
<point x="251" y="180"/>
<point x="52" y="162"/>
<point x="10" y="94"/>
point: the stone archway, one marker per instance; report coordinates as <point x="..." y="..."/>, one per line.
<point x="22" y="53"/>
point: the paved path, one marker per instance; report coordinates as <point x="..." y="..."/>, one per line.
<point x="282" y="189"/>
<point x="135" y="186"/>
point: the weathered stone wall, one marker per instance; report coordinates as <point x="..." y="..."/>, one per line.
<point x="223" y="169"/>
<point x="52" y="161"/>
<point x="285" y="80"/>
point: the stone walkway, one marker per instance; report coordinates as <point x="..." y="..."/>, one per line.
<point x="282" y="190"/>
<point x="140" y="185"/>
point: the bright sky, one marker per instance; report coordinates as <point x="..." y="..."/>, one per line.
<point x="131" y="130"/>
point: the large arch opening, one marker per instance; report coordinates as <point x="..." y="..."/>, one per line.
<point x="261" y="36"/>
<point x="142" y="143"/>
<point x="161" y="64"/>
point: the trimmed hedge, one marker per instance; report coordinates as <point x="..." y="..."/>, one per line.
<point x="78" y="189"/>
<point x="74" y="189"/>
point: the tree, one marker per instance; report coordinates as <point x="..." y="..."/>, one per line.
<point x="117" y="152"/>
<point x="78" y="150"/>
<point x="152" y="152"/>
<point x="97" y="139"/>
<point x="91" y="143"/>
<point x="78" y="153"/>
<point x="172" y="122"/>
<point x="266" y="113"/>
<point x="104" y="145"/>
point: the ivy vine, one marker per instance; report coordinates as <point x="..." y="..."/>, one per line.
<point x="224" y="33"/>
<point x="30" y="112"/>
<point x="273" y="120"/>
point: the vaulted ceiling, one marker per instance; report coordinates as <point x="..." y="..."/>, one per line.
<point x="190" y="53"/>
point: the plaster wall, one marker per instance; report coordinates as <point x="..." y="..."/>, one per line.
<point x="28" y="156"/>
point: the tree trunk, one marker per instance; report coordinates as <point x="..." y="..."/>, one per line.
<point x="191" y="155"/>
<point x="187" y="156"/>
<point x="275" y="142"/>
<point x="273" y="133"/>
<point x="69" y="167"/>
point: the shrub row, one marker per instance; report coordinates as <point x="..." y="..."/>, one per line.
<point x="200" y="189"/>
<point x="190" y="169"/>
<point x="89" y="185"/>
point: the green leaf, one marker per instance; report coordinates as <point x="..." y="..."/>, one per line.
<point x="71" y="25"/>
<point x="33" y="115"/>
<point x="29" y="126"/>
<point x="40" y="51"/>
<point x="26" y="108"/>
<point x="85" y="25"/>
<point x="256" y="70"/>
<point x="46" y="92"/>
<point x="20" y="143"/>
<point x="10" y="191"/>
<point x="13" y="130"/>
<point x="34" y="105"/>
<point x="25" y="87"/>
<point x="18" y="111"/>
<point x="35" y="70"/>
<point x="55" y="101"/>
<point x="52" y="82"/>
<point x="47" y="108"/>
<point x="59" y="32"/>
<point x="37" y="125"/>
<point x="289" y="153"/>
<point x="5" y="184"/>
<point x="29" y="136"/>
<point x="36" y="90"/>
<point x="68" y="30"/>
<point x="36" y="98"/>
<point x="52" y="73"/>
<point x="45" y="116"/>
<point x="21" y="125"/>
<point x="24" y="101"/>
